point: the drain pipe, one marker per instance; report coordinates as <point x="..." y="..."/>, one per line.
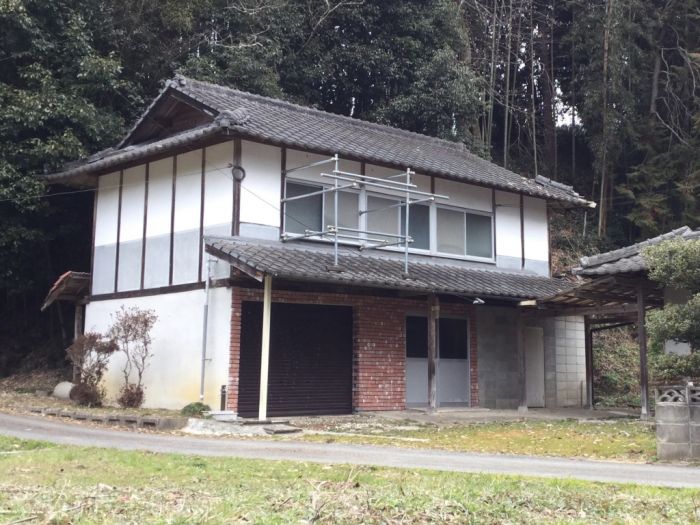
<point x="204" y="331"/>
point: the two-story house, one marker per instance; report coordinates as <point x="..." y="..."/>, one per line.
<point x="324" y="264"/>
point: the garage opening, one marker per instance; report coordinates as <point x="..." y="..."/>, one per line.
<point x="310" y="360"/>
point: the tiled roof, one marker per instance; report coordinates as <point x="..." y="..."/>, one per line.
<point x="307" y="263"/>
<point x="628" y="259"/>
<point x="288" y="124"/>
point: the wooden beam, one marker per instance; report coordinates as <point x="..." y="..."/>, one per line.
<point x="520" y="348"/>
<point x="433" y="317"/>
<point x="265" y="347"/>
<point x="589" y="310"/>
<point x="642" y="337"/>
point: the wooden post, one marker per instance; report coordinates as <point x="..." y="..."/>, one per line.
<point x="265" y="347"/>
<point x="77" y="332"/>
<point x="642" y="337"/>
<point x="433" y="316"/>
<point x="520" y="346"/>
<point x="589" y="363"/>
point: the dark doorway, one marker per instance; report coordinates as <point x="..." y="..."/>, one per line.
<point x="310" y="360"/>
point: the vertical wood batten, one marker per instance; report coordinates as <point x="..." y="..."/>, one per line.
<point x="119" y="228"/>
<point x="145" y="225"/>
<point x="172" y="222"/>
<point x="283" y="182"/>
<point x="201" y="215"/>
<point x="237" y="162"/>
<point x="589" y="361"/>
<point x="522" y="232"/>
<point x="94" y="226"/>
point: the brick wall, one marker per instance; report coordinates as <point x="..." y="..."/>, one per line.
<point x="379" y="348"/>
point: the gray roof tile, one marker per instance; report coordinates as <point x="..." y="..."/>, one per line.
<point x="301" y="127"/>
<point x="311" y="263"/>
<point x="628" y="259"/>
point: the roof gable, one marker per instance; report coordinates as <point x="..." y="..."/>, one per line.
<point x="228" y="111"/>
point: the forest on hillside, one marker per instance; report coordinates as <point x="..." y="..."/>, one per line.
<point x="599" y="94"/>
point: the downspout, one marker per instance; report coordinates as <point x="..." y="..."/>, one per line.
<point x="204" y="331"/>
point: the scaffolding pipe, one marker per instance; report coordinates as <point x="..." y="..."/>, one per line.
<point x="205" y="323"/>
<point x="384" y="186"/>
<point x="320" y="192"/>
<point x="365" y="178"/>
<point x="319" y="163"/>
<point x="335" y="214"/>
<point x="406" y="232"/>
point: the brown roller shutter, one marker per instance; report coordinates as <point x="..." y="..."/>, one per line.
<point x="310" y="360"/>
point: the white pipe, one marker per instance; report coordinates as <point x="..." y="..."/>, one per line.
<point x="204" y="331"/>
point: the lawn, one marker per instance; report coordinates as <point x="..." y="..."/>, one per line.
<point x="625" y="440"/>
<point x="41" y="483"/>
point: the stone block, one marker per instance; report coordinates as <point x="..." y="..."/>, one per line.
<point x="172" y="423"/>
<point x="672" y="433"/>
<point x="149" y="422"/>
<point x="694" y="414"/>
<point x="130" y="421"/>
<point x="672" y="451"/>
<point x="671" y="413"/>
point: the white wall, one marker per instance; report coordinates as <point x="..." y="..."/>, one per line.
<point x="536" y="235"/>
<point x="260" y="190"/>
<point x="508" y="235"/>
<point x="173" y="377"/>
<point x="106" y="217"/>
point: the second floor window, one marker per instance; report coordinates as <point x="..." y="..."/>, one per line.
<point x="434" y="229"/>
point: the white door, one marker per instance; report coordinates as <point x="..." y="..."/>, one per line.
<point x="534" y="366"/>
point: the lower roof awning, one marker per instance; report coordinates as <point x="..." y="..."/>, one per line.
<point x="315" y="264"/>
<point x="71" y="286"/>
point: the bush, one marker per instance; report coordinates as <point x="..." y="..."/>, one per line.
<point x="87" y="395"/>
<point x="674" y="368"/>
<point x="131" y="396"/>
<point x="195" y="409"/>
<point x="90" y="354"/>
<point x="615" y="368"/>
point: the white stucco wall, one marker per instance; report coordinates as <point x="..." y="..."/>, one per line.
<point x="260" y="190"/>
<point x="508" y="237"/>
<point x="173" y="377"/>
<point x="536" y="235"/>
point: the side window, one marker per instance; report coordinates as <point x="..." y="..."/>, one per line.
<point x="302" y="214"/>
<point x="418" y="225"/>
<point x="454" y="343"/>
<point x="416" y="337"/>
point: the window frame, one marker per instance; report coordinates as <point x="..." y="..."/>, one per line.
<point x="363" y="196"/>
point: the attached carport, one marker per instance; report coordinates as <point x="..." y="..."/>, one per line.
<point x="292" y="267"/>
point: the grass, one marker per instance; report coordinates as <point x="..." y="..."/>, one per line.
<point x="59" y="484"/>
<point x="618" y="440"/>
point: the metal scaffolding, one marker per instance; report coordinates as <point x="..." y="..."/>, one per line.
<point x="366" y="239"/>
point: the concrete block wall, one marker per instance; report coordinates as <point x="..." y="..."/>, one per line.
<point x="569" y="361"/>
<point x="499" y="380"/>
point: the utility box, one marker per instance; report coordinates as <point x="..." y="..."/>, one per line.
<point x="678" y="422"/>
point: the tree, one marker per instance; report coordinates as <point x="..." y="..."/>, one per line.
<point x="676" y="264"/>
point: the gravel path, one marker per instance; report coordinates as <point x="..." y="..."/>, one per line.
<point x="32" y="427"/>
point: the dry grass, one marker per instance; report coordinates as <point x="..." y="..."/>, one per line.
<point x="62" y="485"/>
<point x="618" y="440"/>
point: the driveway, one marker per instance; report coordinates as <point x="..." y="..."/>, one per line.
<point x="33" y="427"/>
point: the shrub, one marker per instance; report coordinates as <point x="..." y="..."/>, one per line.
<point x="87" y="395"/>
<point x="672" y="368"/>
<point x="90" y="354"/>
<point x="132" y="333"/>
<point x="195" y="409"/>
<point x="130" y="396"/>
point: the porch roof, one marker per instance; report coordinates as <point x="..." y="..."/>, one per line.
<point x="70" y="286"/>
<point x="310" y="263"/>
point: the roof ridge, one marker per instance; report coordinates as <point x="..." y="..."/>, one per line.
<point x="459" y="146"/>
<point x="632" y="249"/>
